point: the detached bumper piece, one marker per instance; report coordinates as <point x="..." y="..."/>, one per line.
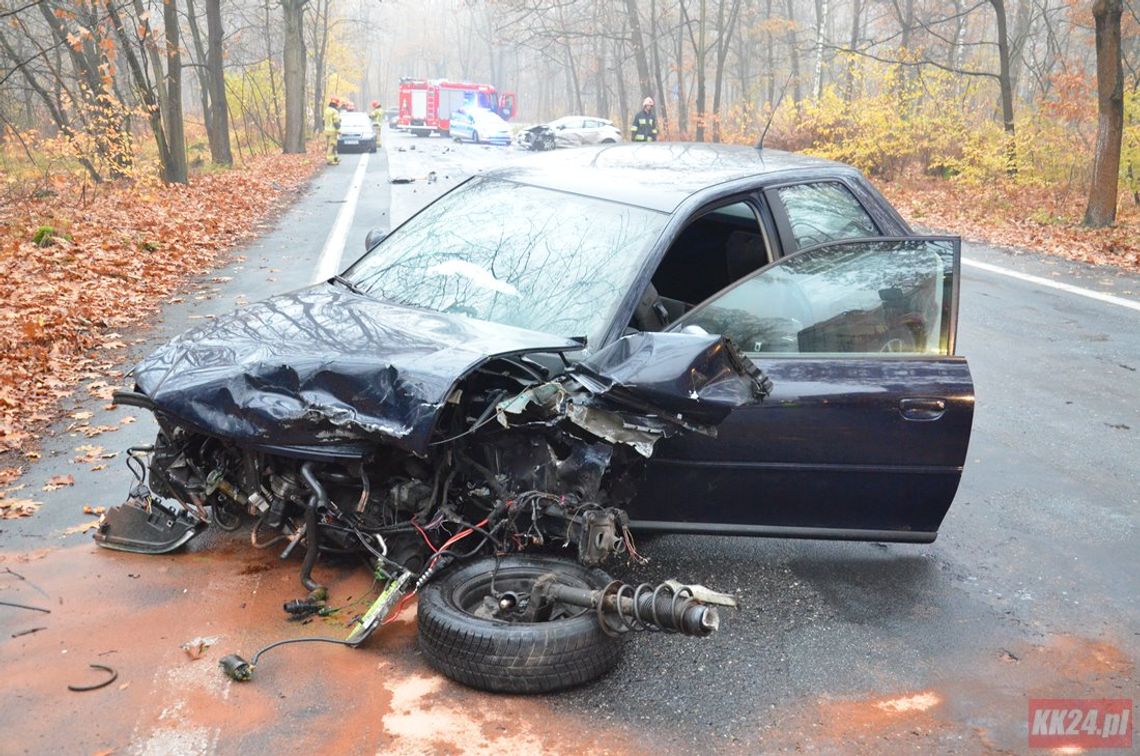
<point x="147" y="527"/>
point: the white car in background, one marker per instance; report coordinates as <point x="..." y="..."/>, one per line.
<point x="572" y="131"/>
<point x="479" y="125"/>
<point x="356" y="133"/>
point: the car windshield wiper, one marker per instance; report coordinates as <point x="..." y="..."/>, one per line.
<point x="349" y="285"/>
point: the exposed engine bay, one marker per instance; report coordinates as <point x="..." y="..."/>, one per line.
<point x="527" y="453"/>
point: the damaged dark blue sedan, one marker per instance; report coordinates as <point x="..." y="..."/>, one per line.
<point x="551" y="358"/>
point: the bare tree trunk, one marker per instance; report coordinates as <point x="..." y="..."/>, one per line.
<point x="794" y="53"/>
<point x="321" y="19"/>
<point x="682" y="96"/>
<point x="639" y="49"/>
<point x="820" y="17"/>
<point x="176" y="170"/>
<point x="1101" y="209"/>
<point x="724" y="38"/>
<point x="770" y="61"/>
<point x="701" y="50"/>
<point x="145" y="91"/>
<point x="294" y="59"/>
<point x="200" y="71"/>
<point x="853" y="43"/>
<point x="1005" y="84"/>
<point x="662" y="99"/>
<point x="219" y="125"/>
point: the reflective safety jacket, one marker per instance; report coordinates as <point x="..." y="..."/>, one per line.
<point x="332" y="120"/>
<point x="377" y="115"/>
<point x="644" y="128"/>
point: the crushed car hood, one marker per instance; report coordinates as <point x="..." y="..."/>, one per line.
<point x="325" y="366"/>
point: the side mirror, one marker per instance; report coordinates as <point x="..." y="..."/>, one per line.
<point x="373" y="238"/>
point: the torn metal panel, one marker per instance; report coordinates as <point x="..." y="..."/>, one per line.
<point x="645" y="387"/>
<point x="701" y="377"/>
<point x="325" y="366"/>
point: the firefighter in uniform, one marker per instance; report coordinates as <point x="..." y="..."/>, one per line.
<point x="376" y="114"/>
<point x="644" y="128"/>
<point x="332" y="127"/>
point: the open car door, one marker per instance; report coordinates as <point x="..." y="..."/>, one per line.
<point x="865" y="433"/>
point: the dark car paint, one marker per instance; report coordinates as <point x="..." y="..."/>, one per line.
<point x="324" y="366"/>
<point x="830" y="454"/>
<point x="889" y="478"/>
<point x="832" y="448"/>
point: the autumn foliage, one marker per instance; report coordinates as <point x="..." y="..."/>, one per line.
<point x="84" y="263"/>
<point x="929" y="139"/>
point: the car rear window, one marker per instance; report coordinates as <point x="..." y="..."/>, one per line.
<point x="824" y="212"/>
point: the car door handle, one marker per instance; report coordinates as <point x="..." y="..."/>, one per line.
<point x="922" y="408"/>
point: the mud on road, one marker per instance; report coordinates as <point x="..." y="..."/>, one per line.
<point x="133" y="614"/>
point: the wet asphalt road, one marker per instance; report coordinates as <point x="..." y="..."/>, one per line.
<point x="1031" y="589"/>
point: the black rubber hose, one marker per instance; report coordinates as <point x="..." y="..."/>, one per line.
<point x="312" y="537"/>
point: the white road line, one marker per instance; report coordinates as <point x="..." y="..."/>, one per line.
<point x="1038" y="280"/>
<point x="328" y="264"/>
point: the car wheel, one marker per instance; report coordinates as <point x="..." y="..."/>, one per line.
<point x="608" y="141"/>
<point x="475" y="137"/>
<point x="465" y="633"/>
<point x="372" y="146"/>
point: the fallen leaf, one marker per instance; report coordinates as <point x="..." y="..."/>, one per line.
<point x="94" y="510"/>
<point x="82" y="527"/>
<point x="10" y="509"/>
<point x="57" y="482"/>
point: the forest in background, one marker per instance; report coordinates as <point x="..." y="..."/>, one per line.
<point x="126" y="125"/>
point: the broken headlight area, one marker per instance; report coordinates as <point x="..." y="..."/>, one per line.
<point x="522" y="459"/>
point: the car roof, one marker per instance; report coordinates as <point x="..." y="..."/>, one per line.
<point x="584" y="117"/>
<point x="354" y="115"/>
<point x="662" y="175"/>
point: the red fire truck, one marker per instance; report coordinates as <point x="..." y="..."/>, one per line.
<point x="426" y="105"/>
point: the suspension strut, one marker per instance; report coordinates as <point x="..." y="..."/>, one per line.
<point x="621" y="607"/>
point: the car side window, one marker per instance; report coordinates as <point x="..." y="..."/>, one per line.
<point x="860" y="297"/>
<point x="824" y="212"/>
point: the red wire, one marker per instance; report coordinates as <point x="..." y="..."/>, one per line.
<point x="454" y="539"/>
<point x="399" y="608"/>
<point x="423" y="532"/>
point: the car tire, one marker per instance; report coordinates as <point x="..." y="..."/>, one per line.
<point x="372" y="147"/>
<point x="608" y="141"/>
<point x="512" y="657"/>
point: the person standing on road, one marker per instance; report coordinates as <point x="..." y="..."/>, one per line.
<point x="644" y="128"/>
<point x="376" y="114"/>
<point x="332" y="128"/>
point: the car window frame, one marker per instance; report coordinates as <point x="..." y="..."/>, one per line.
<point x="952" y="337"/>
<point x="756" y="202"/>
<point x="783" y="222"/>
<point x="750" y="192"/>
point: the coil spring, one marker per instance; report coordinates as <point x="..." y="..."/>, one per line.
<point x="621" y="621"/>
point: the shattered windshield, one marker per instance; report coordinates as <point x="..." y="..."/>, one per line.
<point x="513" y="254"/>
